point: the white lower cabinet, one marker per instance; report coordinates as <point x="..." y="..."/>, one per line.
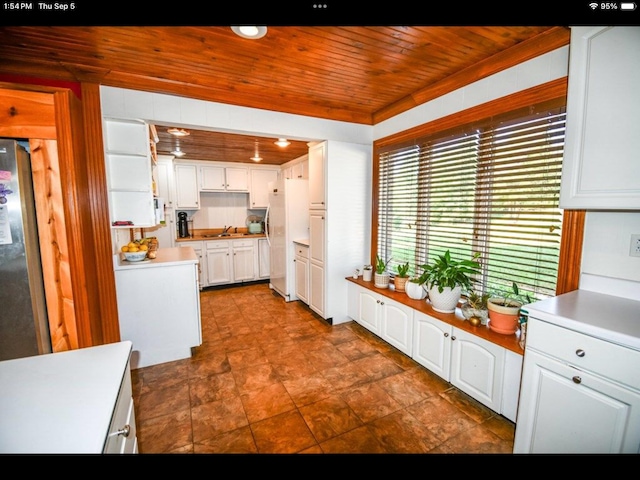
<point x="219" y="263"/>
<point x="302" y="272"/>
<point x="264" y="262"/>
<point x="472" y="364"/>
<point x="390" y="320"/>
<point x="122" y="436"/>
<point x="580" y="394"/>
<point x="482" y="369"/>
<point x="202" y="264"/>
<point x="243" y="260"/>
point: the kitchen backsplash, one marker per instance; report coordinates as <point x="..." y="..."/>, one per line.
<point x="219" y="210"/>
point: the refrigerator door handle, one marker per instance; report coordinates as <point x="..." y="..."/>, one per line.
<point x="266" y="225"/>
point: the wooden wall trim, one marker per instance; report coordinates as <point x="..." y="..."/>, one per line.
<point x="569" y="266"/>
<point x="54" y="251"/>
<point x="555" y="38"/>
<point x="101" y="247"/>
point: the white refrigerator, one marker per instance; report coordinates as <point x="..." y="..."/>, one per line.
<point x="287" y="219"/>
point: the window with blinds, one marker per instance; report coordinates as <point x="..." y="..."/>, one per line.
<point x="492" y="187"/>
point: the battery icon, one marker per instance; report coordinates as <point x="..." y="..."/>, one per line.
<point x="627" y="6"/>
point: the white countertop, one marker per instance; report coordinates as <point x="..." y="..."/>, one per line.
<point x="61" y="402"/>
<point x="164" y="256"/>
<point x="608" y="317"/>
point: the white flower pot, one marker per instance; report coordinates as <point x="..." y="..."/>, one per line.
<point x="414" y="290"/>
<point x="381" y="280"/>
<point x="446" y="301"/>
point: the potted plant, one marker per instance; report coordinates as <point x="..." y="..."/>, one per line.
<point x="475" y="308"/>
<point x="381" y="276"/>
<point x="401" y="278"/>
<point x="414" y="289"/>
<point x="445" y="278"/>
<point x="504" y="310"/>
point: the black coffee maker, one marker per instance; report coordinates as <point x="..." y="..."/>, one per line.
<point x="183" y="228"/>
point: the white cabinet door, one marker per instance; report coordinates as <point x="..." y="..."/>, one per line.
<point x="432" y="344"/>
<point x="302" y="278"/>
<point x="219" y="265"/>
<point x="260" y="179"/>
<point x="316" y="288"/>
<point x="396" y="326"/>
<point x="317" y="190"/>
<point x="237" y="179"/>
<point x="600" y="166"/>
<point x="317" y="225"/>
<point x="243" y="261"/>
<point x="263" y="258"/>
<point x="187" y="194"/>
<point x="165" y="181"/>
<point x="564" y="410"/>
<point x="212" y="179"/>
<point x="477" y="368"/>
<point x="368" y="310"/>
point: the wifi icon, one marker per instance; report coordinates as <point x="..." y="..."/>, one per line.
<point x="593" y="5"/>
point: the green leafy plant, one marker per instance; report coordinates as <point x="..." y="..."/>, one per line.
<point x="509" y="298"/>
<point x="446" y="272"/>
<point x="381" y="265"/>
<point x="403" y="270"/>
<point x="478" y="300"/>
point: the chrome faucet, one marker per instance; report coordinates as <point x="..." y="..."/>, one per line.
<point x="226" y="229"/>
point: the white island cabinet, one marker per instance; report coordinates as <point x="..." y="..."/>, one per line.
<point x="74" y="402"/>
<point x="159" y="305"/>
<point x="580" y="391"/>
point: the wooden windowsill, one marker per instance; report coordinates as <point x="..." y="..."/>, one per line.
<point x="510" y="342"/>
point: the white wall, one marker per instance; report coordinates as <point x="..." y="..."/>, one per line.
<point x="607" y="238"/>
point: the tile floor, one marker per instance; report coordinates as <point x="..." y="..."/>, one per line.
<point x="273" y="377"/>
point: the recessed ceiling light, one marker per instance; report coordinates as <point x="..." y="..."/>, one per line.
<point x="249" y="31"/>
<point x="282" y="142"/>
<point x="178" y="132"/>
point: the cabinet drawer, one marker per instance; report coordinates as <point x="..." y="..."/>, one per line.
<point x="122" y="431"/>
<point x="302" y="250"/>
<point x="585" y="352"/>
<point x="217" y="245"/>
<point x="243" y="243"/>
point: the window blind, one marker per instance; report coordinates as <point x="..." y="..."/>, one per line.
<point x="491" y="188"/>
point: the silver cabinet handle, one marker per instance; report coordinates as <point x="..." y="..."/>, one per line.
<point x="446" y="334"/>
<point x="580" y="352"/>
<point x="576" y="379"/>
<point x="453" y="338"/>
<point x="124" y="431"/>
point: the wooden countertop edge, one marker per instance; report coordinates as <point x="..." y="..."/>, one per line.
<point x="510" y="342"/>
<point x="202" y="238"/>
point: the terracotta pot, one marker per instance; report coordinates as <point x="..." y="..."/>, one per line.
<point x="445" y="301"/>
<point x="503" y="319"/>
<point x="399" y="283"/>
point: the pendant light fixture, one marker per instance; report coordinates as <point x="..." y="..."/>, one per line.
<point x="177" y="151"/>
<point x="282" y="142"/>
<point x="256" y="156"/>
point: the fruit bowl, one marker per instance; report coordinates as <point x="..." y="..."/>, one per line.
<point x="135" y="256"/>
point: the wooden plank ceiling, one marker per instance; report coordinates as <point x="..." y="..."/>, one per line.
<point x="354" y="74"/>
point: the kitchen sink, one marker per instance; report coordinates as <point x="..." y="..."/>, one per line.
<point x="218" y="235"/>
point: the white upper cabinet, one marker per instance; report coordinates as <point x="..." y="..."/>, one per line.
<point x="129" y="172"/>
<point x="187" y="194"/>
<point x="317" y="178"/>
<point x="260" y="179"/>
<point x="601" y="169"/>
<point x="224" y="179"/>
